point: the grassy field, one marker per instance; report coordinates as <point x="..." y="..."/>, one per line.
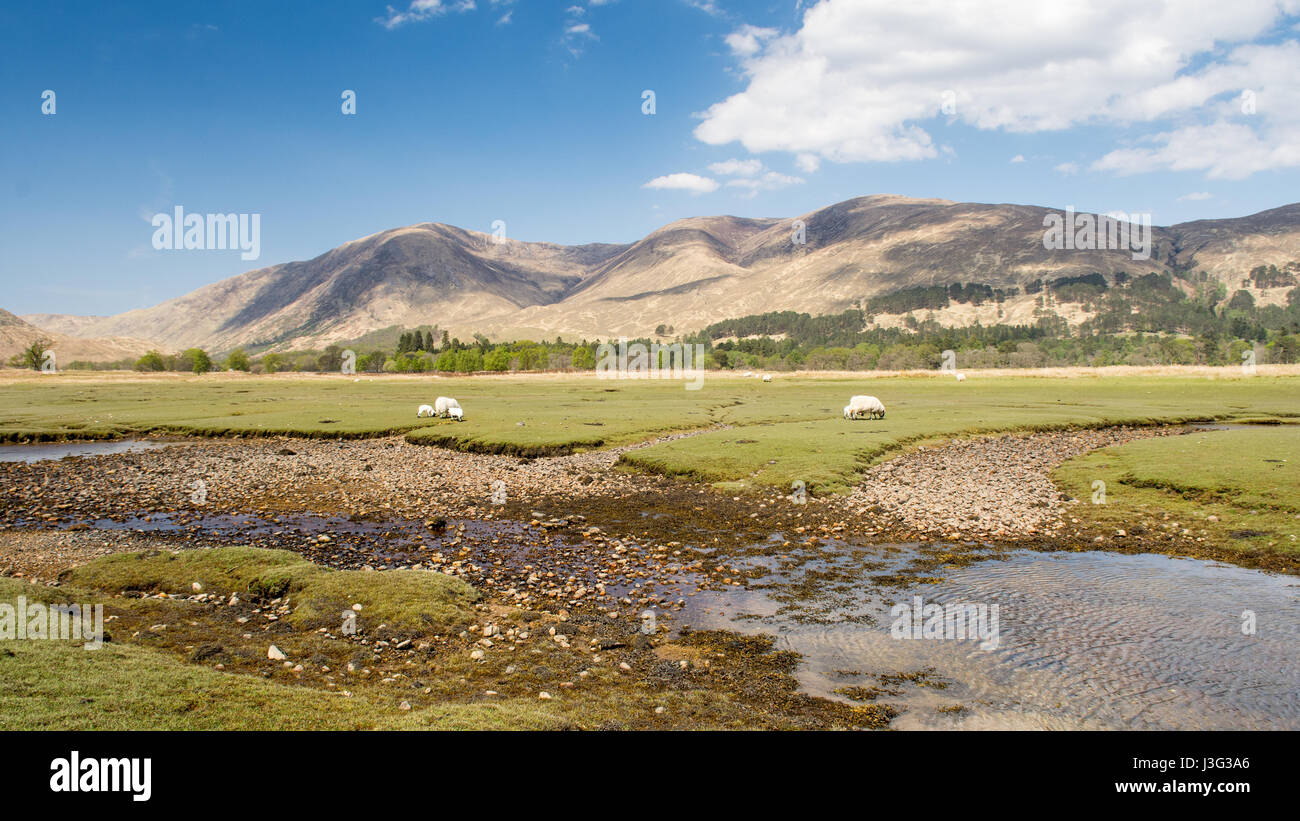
<point x="787" y="430"/>
<point x="1237" y="489"/>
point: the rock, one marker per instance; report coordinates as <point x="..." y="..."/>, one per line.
<point x="206" y="651"/>
<point x="544" y="696"/>
<point x="275" y="653"/>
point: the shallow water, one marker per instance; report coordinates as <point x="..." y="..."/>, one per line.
<point x="1086" y="640"/>
<point x="46" y="451"/>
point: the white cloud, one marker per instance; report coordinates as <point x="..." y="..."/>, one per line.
<point x="683" y="182"/>
<point x="747" y="41"/>
<point x="1018" y="158"/>
<point x="1195" y="196"/>
<point x="693" y="183"/>
<point x="768" y="181"/>
<point x="576" y="32"/>
<point x="751" y="176"/>
<point x="706" y="6"/>
<point x="1222" y="150"/>
<point x="743" y="168"/>
<point x="864" y="80"/>
<point x="1068" y="168"/>
<point x="421" y="10"/>
<point x="808" y="163"/>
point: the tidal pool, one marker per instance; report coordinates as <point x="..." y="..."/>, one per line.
<point x="45" y="451"/>
<point x="1089" y="640"/>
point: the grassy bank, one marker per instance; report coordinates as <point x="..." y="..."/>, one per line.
<point x="407" y="602"/>
<point x="824" y="452"/>
<point x="1236" y="490"/>
<point x="788" y="430"/>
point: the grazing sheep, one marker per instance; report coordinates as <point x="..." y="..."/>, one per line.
<point x="961" y="377"/>
<point x="425" y="410"/>
<point x="872" y="407"/>
<point x="443" y="404"/>
<point x="767" y="377"/>
<point x="456" y="413"/>
<point x="748" y="374"/>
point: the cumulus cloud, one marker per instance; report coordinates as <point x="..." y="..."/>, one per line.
<point x="868" y="80"/>
<point x="1195" y="196"/>
<point x="693" y="183"/>
<point x="1018" y="158"/>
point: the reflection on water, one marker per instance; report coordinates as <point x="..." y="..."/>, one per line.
<point x="60" y="450"/>
<point x="1087" y="640"/>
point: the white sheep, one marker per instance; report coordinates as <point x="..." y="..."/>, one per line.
<point x="869" y="405"/>
<point x="425" y="410"/>
<point x="961" y="377"/>
<point x="767" y="377"/>
<point x="456" y="413"/>
<point x="748" y="374"/>
<point x="443" y="404"/>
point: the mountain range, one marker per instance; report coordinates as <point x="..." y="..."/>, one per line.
<point x="686" y="275"/>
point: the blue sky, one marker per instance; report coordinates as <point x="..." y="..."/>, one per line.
<point x="515" y="111"/>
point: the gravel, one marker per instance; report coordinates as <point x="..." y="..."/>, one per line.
<point x="990" y="487"/>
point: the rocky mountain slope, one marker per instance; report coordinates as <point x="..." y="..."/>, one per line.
<point x="687" y="274"/>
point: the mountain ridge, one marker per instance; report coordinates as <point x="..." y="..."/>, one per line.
<point x="686" y="274"/>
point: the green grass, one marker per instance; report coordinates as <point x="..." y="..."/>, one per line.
<point x="404" y="600"/>
<point x="787" y="430"/>
<point x="1249" y="479"/>
<point x="223" y="571"/>
<point x="825" y="453"/>
<point x="55" y="685"/>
